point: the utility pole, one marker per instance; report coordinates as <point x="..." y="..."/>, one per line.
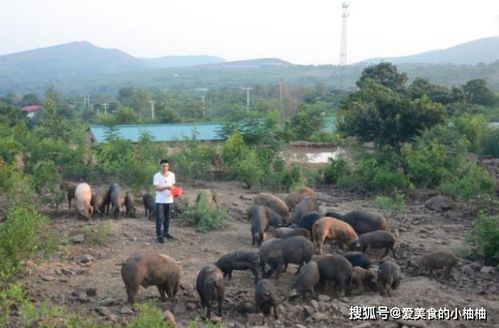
<point x="343" y="48"/>
<point x="203" y="104"/>
<point x="152" y="109"/>
<point x="105" y="108"/>
<point x="247" y="96"/>
<point x="280" y="93"/>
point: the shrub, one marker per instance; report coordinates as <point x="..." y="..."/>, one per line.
<point x="149" y="316"/>
<point x="24" y="235"/>
<point x="396" y="204"/>
<point x="484" y="238"/>
<point x="193" y="160"/>
<point x="248" y="169"/>
<point x="97" y="234"/>
<point x="15" y="186"/>
<point x="204" y="217"/>
<point x="335" y="169"/>
<point x="426" y="163"/>
<point x="46" y="182"/>
<point x="10" y="297"/>
<point x="488" y="143"/>
<point x="469" y="181"/>
<point x="380" y="172"/>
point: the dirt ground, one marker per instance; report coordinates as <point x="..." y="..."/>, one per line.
<point x="85" y="276"/>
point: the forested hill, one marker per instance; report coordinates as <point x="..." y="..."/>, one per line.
<point x="82" y="68"/>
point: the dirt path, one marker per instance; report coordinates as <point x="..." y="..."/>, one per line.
<point x="64" y="279"/>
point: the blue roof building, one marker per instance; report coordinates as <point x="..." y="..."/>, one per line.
<point x="159" y="132"/>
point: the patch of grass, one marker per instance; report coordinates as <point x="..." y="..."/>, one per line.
<point x="97" y="234"/>
<point x="149" y="316"/>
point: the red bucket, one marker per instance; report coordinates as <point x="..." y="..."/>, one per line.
<point x="176" y="191"/>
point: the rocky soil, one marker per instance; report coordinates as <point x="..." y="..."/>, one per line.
<point x="87" y="277"/>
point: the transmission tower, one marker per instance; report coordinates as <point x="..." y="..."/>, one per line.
<point x="343" y="48"/>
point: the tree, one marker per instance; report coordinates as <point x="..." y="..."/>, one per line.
<point x="309" y="119"/>
<point x="385" y="74"/>
<point x="477" y="92"/>
<point x="437" y="93"/>
<point x="388" y="119"/>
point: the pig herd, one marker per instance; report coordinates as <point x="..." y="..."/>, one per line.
<point x="99" y="201"/>
<point x="300" y="233"/>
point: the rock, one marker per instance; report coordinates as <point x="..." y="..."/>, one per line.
<point x="487" y="269"/>
<point x="78" y="239"/>
<point x="87" y="258"/>
<point x="126" y="310"/>
<point x="169" y="317"/>
<point x="244" y="307"/>
<point x="315" y="305"/>
<point x="47" y="277"/>
<point x="113" y="318"/>
<point x="216" y="320"/>
<point x="255" y="319"/>
<point x="467" y="270"/>
<point x="79" y="271"/>
<point x="363" y="325"/>
<point x="476" y="266"/>
<point x="319" y="316"/>
<point x="103" y="311"/>
<point x="91" y="291"/>
<point x="107" y="302"/>
<point x="309" y="310"/>
<point x="67" y="272"/>
<point x="439" y="203"/>
<point x="179" y="308"/>
<point x="191" y="306"/>
<point x="324" y="298"/>
<point x="82" y="297"/>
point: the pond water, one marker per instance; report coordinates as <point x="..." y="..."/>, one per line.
<point x="311" y="155"/>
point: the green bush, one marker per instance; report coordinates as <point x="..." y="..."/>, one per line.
<point x="335" y="169"/>
<point x="16" y="186"/>
<point x="203" y="217"/>
<point x="396" y="204"/>
<point x="488" y="143"/>
<point x="427" y="163"/>
<point x="193" y="160"/>
<point x="470" y="181"/>
<point x="10" y="297"/>
<point x="380" y="172"/>
<point x="97" y="234"/>
<point x="24" y="235"/>
<point x="248" y="169"/>
<point x="46" y="181"/>
<point x="484" y="238"/>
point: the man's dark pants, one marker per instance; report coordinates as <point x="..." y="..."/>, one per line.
<point x="162" y="209"/>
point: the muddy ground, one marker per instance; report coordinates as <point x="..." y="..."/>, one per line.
<point x="85" y="276"/>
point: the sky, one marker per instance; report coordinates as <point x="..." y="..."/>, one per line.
<point x="298" y="31"/>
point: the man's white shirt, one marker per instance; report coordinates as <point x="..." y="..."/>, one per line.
<point x="165" y="196"/>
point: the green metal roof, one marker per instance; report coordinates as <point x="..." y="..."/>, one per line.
<point x="161" y="132"/>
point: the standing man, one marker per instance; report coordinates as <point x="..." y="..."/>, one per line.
<point x="163" y="182"/>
